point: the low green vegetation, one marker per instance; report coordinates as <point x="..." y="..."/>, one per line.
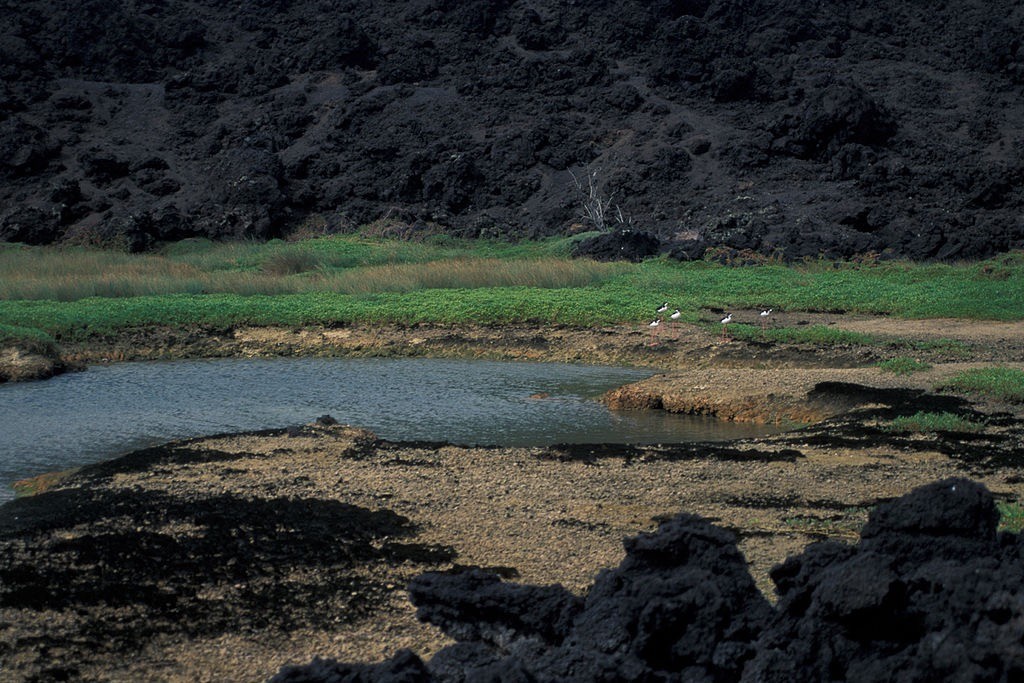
<point x="1011" y="517"/>
<point x="72" y="293"/>
<point x="948" y="347"/>
<point x="896" y="288"/>
<point x="903" y="365"/>
<point x="999" y="383"/>
<point x="805" y="334"/>
<point x="28" y="338"/>
<point x="926" y="422"/>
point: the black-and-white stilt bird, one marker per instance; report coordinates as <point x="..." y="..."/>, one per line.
<point x="662" y="308"/>
<point x="725" y="324"/>
<point x="675" y="318"/>
<point x="765" y="314"/>
<point x="654" y="328"/>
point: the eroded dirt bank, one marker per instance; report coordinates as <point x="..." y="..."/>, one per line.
<point x="227" y="557"/>
<point x="21" y="365"/>
<point x="674" y="347"/>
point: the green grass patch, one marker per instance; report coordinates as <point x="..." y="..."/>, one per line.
<point x="80" y="320"/>
<point x="847" y="522"/>
<point x="949" y="348"/>
<point x="1002" y="384"/>
<point x="902" y="289"/>
<point x="28" y="338"/>
<point x="1011" y="517"/>
<point x="362" y="277"/>
<point x="805" y="334"/>
<point x="903" y="365"/>
<point x="925" y="422"/>
<point x="13" y="333"/>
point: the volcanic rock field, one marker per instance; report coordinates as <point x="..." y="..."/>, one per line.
<point x="778" y="127"/>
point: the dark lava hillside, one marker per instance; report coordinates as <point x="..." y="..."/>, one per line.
<point x="836" y="128"/>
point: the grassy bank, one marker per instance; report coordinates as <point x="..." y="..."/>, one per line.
<point x="27" y="338"/>
<point x="1002" y="384"/>
<point x="73" y="294"/>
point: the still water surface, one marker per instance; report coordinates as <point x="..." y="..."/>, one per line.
<point x="86" y="417"/>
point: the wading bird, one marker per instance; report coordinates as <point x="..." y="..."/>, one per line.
<point x="675" y="318"/>
<point x="654" y="328"/>
<point x="662" y="308"/>
<point x="725" y="324"/>
<point x="764" y="319"/>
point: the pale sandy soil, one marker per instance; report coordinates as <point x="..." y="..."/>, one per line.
<point x="551" y="519"/>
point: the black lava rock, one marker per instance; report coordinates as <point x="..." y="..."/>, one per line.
<point x="475" y="605"/>
<point x="931" y="592"/>
<point x="620" y="245"/>
<point x="702" y="117"/>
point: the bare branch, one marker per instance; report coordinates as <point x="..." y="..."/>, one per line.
<point x="595" y="208"/>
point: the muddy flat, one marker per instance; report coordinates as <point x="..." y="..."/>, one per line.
<point x="226" y="557"/>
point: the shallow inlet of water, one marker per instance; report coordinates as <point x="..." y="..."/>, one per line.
<point x="81" y="418"/>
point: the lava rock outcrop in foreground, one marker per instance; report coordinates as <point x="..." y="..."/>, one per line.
<point x="771" y="126"/>
<point x="931" y="592"/>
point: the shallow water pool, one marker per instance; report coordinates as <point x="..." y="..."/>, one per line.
<point x="86" y="417"/>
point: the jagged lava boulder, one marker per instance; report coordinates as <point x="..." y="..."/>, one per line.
<point x="931" y="592"/>
<point x="623" y="244"/>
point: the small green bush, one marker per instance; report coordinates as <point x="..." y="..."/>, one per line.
<point x="902" y="365"/>
<point x="1011" y="517"/>
<point x="1002" y="384"/>
<point x="926" y="422"/>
